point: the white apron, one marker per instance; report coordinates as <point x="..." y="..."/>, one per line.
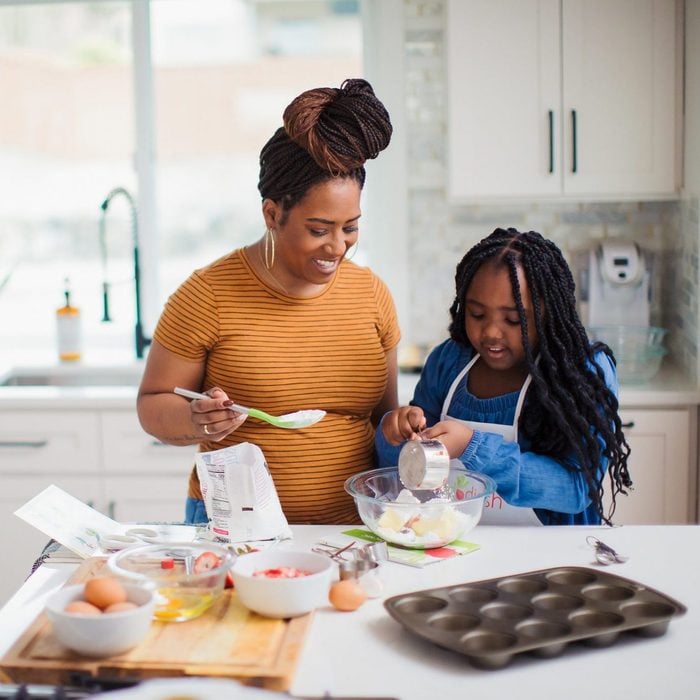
<point x="496" y="510"/>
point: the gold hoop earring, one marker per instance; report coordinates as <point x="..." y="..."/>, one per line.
<point x="354" y="251"/>
<point x="269" y="248"/>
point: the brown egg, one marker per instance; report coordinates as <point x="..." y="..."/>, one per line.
<point x="120" y="607"/>
<point x="347" y="595"/>
<point x="82" y="607"/>
<point x="104" y="591"/>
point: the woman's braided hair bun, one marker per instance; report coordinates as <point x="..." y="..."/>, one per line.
<point x="327" y="132"/>
<point x="341" y="127"/>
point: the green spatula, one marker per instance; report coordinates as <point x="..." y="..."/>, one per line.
<point x="298" y="419"/>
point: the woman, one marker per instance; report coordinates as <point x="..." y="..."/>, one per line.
<point x="288" y="322"/>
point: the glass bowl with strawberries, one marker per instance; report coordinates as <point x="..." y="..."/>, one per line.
<point x="186" y="578"/>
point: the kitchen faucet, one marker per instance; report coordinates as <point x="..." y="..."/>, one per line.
<point x="141" y="340"/>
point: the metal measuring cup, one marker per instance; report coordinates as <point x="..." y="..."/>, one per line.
<point x="365" y="572"/>
<point x="424" y="465"/>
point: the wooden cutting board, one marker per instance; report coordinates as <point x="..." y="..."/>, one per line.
<point x="226" y="641"/>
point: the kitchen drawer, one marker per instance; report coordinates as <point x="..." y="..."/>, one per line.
<point x="128" y="448"/>
<point x="146" y="498"/>
<point x="40" y="442"/>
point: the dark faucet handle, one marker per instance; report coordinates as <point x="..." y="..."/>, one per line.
<point x="105" y="303"/>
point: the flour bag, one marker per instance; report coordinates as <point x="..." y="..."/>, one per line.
<point x="239" y="495"/>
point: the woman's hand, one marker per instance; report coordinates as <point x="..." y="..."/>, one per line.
<point x="403" y="423"/>
<point x="212" y="418"/>
<point x="455" y="436"/>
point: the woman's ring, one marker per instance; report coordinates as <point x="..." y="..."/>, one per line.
<point x="206" y="429"/>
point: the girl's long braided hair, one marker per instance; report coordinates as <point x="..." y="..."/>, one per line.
<point x="327" y="133"/>
<point x="568" y="407"/>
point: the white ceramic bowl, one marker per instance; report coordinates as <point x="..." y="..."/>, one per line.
<point x="420" y="519"/>
<point x="282" y="597"/>
<point x="102" y="635"/>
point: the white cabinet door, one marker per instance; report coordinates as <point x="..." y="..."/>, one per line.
<point x="659" y="466"/>
<point x="21" y="543"/>
<point x="552" y="98"/>
<point x="146" y="498"/>
<point x="619" y="86"/>
<point x="144" y="479"/>
<point x="37" y="449"/>
<point x="127" y="448"/>
<point x="504" y="115"/>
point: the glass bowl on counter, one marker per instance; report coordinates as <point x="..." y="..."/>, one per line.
<point x="186" y="577"/>
<point x="639" y="367"/>
<point x="638" y="350"/>
<point x="420" y="519"/>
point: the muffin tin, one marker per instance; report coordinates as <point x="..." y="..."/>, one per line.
<point x="541" y="612"/>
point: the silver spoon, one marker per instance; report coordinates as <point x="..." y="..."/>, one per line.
<point x="605" y="554"/>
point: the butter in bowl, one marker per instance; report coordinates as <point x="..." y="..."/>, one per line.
<point x="420" y="518"/>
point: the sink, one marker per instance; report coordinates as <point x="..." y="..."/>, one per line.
<point x="73" y="376"/>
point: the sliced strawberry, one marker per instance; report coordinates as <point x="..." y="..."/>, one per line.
<point x="206" y="561"/>
<point x="229" y="580"/>
<point x="441" y="552"/>
<point x="282" y="572"/>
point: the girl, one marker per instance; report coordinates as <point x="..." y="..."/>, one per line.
<point x="518" y="392"/>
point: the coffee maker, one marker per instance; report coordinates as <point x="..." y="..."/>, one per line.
<point x="614" y="286"/>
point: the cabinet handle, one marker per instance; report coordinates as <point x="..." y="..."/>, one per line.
<point x="34" y="444"/>
<point x="111" y="507"/>
<point x="550" y="117"/>
<point x="574" y="155"/>
<point x="630" y="424"/>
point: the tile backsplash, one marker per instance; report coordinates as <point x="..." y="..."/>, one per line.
<point x="440" y="232"/>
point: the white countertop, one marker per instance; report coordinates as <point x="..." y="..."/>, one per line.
<point x="669" y="388"/>
<point x="50" y="398"/>
<point x="366" y="653"/>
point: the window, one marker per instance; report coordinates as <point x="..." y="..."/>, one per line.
<point x="172" y="100"/>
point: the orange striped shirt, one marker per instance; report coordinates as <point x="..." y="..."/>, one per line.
<point x="282" y="354"/>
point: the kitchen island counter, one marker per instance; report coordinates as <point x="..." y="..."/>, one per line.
<point x="367" y="654"/>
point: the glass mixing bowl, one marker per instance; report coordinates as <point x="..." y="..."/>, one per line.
<point x="420" y="519"/>
<point x="186" y="578"/>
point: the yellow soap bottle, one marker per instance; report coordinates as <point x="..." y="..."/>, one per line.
<point x="68" y="327"/>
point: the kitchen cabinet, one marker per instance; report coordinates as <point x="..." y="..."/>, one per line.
<point x="556" y="98"/>
<point x="663" y="448"/>
<point x="102" y="457"/>
<point x="20" y="542"/>
<point x="144" y="479"/>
